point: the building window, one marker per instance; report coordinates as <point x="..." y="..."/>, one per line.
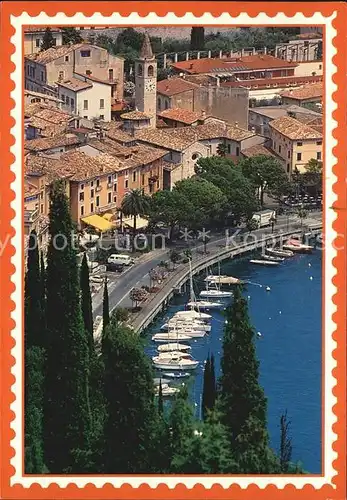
<point x="126" y="183"/>
<point x="81" y="187"/>
<point x="92" y="207"/>
<point x="166" y="105"/>
<point x="195" y="156"/>
<point x="72" y="103"/>
<point x="98" y="201"/>
<point x="82" y="210"/>
<point x="102" y="117"/>
<point x="54" y="41"/>
<point x="85" y="53"/>
<point x="109" y="197"/>
<point x="86" y="117"/>
<point x="288" y="154"/>
<point x="88" y="72"/>
<point x="319" y="155"/>
<point x="150" y="71"/>
<point x="279" y="148"/>
<point x="115" y="187"/>
<point x="97" y="183"/>
<point x="66" y="58"/>
<point x="319" y="143"/>
<point x="320" y="66"/>
<point x="85" y="104"/>
<point x="102" y="103"/>
<point x="42" y="76"/>
<point x="274" y="145"/>
<point x="134" y="176"/>
<point x="115" y="199"/>
<point x="298" y="156"/>
<point x="142" y="179"/>
<point x="61" y="75"/>
<point x="38" y="43"/>
<point x="299" y="143"/>
<point x="110" y="75"/>
<point x="229" y="149"/>
<point x="140" y="70"/>
<point x="67" y="100"/>
<point x="109" y="179"/>
<point x="237" y="151"/>
<point x="92" y="193"/>
<point x="159" y="103"/>
<point x="82" y="196"/>
<point x="288" y="168"/>
<point x="41" y="208"/>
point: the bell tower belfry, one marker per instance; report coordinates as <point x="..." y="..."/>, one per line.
<point x="146" y="81"/>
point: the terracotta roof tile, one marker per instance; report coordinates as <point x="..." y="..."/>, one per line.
<point x="286" y="81"/>
<point x="75" y="84"/>
<point x="30" y="189"/>
<point x="173" y="86"/>
<point x="53" y="53"/>
<point x="95" y="79"/>
<point x="135" y="115"/>
<point x="84" y="167"/>
<point x="114" y="131"/>
<point x="310" y="91"/>
<point x="294" y="129"/>
<point x="181" y="115"/>
<point x="146" y="51"/>
<point x="258" y="149"/>
<point x="43" y="144"/>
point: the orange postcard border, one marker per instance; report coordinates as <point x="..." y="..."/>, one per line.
<point x="126" y="491"/>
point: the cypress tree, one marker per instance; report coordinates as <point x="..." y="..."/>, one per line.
<point x="32" y="296"/>
<point x="86" y="302"/>
<point x="33" y="415"/>
<point x="285" y="444"/>
<point x="243" y="402"/>
<point x="105" y="308"/>
<point x="213" y="390"/>
<point x="67" y="416"/>
<point x="130" y="429"/>
<point x="47" y="40"/>
<point x="197" y="38"/>
<point x="160" y="399"/>
<point x="209" y="388"/>
<point x="43" y="297"/>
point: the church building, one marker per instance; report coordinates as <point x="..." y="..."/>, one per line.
<point x="146" y="82"/>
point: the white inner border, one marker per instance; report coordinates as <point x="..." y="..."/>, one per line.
<point x="17" y="131"/>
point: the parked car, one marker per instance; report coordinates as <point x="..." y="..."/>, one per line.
<point x="118" y="258"/>
<point x="115" y="268"/>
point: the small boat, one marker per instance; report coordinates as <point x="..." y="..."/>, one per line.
<point x="175" y="361"/>
<point x="279" y="253"/>
<point x="296" y="246"/>
<point x="170" y="337"/>
<point x="166" y="390"/>
<point x="177" y="375"/>
<point x="174" y="347"/>
<point x="215" y="293"/>
<point x="187" y="331"/>
<point x="192" y="314"/>
<point x="226" y="280"/>
<point x="205" y="304"/>
<point x="211" y="278"/>
<point x="273" y="258"/>
<point x="180" y="324"/>
<point x="264" y="262"/>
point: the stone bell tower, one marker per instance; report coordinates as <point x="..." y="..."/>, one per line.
<point x="146" y="81"/>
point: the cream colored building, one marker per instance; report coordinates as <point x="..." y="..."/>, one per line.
<point x="85" y="96"/>
<point x="296" y="143"/>
<point x="43" y="70"/>
<point x="33" y="37"/>
<point x="309" y="68"/>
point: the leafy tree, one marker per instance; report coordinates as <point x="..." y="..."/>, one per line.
<point x="33" y="314"/>
<point x="120" y="315"/>
<point x="197" y="38"/>
<point x="170" y="208"/>
<point x="67" y="416"/>
<point x="209" y="388"/>
<point x="222" y="150"/>
<point x="105" y="308"/>
<point x="130" y="428"/>
<point x="251" y="225"/>
<point x="47" y="40"/>
<point x="174" y="257"/>
<point x="163" y="73"/>
<point x="135" y="203"/>
<point x="71" y="35"/>
<point x="138" y="295"/>
<point x="107" y="43"/>
<point x="129" y="37"/>
<point x="239" y="190"/>
<point x="286" y="449"/>
<point x="243" y="402"/>
<point x="313" y="175"/>
<point x="34" y="382"/>
<point x="86" y="302"/>
<point x="267" y="175"/>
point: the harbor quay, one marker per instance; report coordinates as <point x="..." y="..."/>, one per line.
<point x="232" y="248"/>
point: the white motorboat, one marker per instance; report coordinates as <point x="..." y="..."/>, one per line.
<point x="264" y="262"/>
<point x="173" y="347"/>
<point x="171" y="337"/>
<point x="211" y="278"/>
<point x="177" y="375"/>
<point x="180" y="324"/>
<point x="272" y="258"/>
<point x="193" y="315"/>
<point x="220" y="294"/>
<point x="295" y="246"/>
<point x="176" y="361"/>
<point x="187" y="331"/>
<point x="166" y="390"/>
<point x="224" y="280"/>
<point x="205" y="304"/>
<point x="279" y="253"/>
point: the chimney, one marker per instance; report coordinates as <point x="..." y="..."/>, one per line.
<point x="203" y="114"/>
<point x="191" y="66"/>
<point x="236" y="124"/>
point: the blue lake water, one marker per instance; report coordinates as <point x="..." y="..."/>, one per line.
<point x="290" y="349"/>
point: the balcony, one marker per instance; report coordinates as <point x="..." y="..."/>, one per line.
<point x="30" y="216"/>
<point x="98" y="188"/>
<point x="105" y="208"/>
<point x="110" y="185"/>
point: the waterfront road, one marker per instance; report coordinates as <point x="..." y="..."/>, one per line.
<point x="138" y="274"/>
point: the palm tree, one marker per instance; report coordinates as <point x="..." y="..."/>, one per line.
<point x="135" y="203"/>
<point x="222" y="150"/>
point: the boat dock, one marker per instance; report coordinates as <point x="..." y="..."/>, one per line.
<point x="177" y="281"/>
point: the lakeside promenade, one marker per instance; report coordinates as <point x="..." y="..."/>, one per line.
<point x="218" y="250"/>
